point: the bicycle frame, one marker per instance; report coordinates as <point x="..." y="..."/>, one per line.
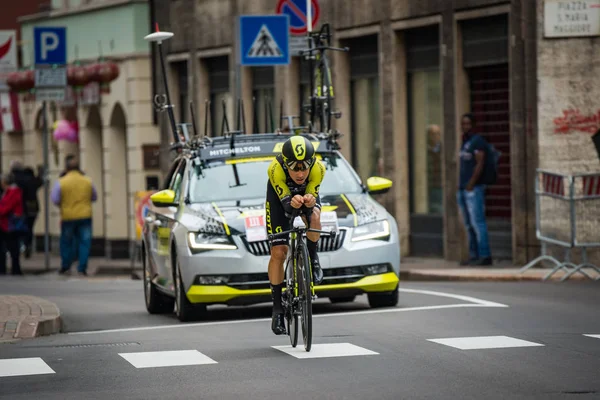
<point x="319" y="42"/>
<point x="296" y="233"/>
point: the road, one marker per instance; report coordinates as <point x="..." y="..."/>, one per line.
<point x="445" y="340"/>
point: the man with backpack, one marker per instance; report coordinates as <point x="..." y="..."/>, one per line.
<point x="478" y="168"/>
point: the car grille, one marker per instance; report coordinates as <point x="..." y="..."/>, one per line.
<point x="331" y="276"/>
<point x="261" y="248"/>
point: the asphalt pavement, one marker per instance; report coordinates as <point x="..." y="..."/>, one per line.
<point x="445" y="340"/>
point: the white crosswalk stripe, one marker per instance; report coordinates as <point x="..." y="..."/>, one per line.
<point x="485" y="342"/>
<point x="24" y="366"/>
<point x="597" y="336"/>
<point x="152" y="359"/>
<point x="325" y="350"/>
<point x="12" y="367"/>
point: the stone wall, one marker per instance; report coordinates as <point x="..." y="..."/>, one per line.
<point x="568" y="116"/>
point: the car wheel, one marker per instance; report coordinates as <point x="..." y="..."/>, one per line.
<point x="156" y="302"/>
<point x="185" y="310"/>
<point x="385" y="299"/>
<point x="347" y="299"/>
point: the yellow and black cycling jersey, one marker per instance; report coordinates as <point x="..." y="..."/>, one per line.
<point x="286" y="188"/>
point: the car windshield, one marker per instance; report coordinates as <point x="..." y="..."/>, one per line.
<point x="216" y="181"/>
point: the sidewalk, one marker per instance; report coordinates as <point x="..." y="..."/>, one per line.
<point x="96" y="266"/>
<point x="434" y="269"/>
<point x="24" y="317"/>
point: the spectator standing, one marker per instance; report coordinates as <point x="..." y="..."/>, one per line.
<point x="471" y="193"/>
<point x="74" y="194"/>
<point x="12" y="224"/>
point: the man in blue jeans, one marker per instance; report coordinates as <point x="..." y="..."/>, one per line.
<point x="471" y="193"/>
<point x="74" y="194"/>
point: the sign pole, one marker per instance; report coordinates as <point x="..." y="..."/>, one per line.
<point x="309" y="15"/>
<point x="238" y="75"/>
<point x="46" y="190"/>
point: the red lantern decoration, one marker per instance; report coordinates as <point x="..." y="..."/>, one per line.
<point x="106" y="72"/>
<point x="13" y="80"/>
<point x="92" y="72"/>
<point x="77" y="76"/>
<point x="21" y="81"/>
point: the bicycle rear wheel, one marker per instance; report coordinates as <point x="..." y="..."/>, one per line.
<point x="291" y="314"/>
<point x="303" y="274"/>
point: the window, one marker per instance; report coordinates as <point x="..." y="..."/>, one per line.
<point x="181" y="70"/>
<point x="304" y="91"/>
<point x="364" y="90"/>
<point x="424" y="120"/>
<point x="177" y="180"/>
<point x="263" y="91"/>
<point x="169" y="177"/>
<point x="218" y="73"/>
<point x="217" y="181"/>
<point x="425" y="134"/>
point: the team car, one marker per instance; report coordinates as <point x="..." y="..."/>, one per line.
<point x="204" y="239"/>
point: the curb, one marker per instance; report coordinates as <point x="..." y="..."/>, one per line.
<point x="28" y="326"/>
<point x="474" y="276"/>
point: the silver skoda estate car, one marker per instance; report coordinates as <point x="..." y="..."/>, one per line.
<point x="204" y="238"/>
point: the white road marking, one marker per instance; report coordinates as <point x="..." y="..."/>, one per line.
<point x="325" y="350"/>
<point x="455" y="296"/>
<point x="474" y="302"/>
<point x="176" y="358"/>
<point x="24" y="366"/>
<point x="485" y="342"/>
<point x="592" y="335"/>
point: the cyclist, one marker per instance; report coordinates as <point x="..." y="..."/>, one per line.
<point x="295" y="177"/>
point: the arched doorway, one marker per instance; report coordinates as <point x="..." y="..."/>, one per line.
<point x="91" y="162"/>
<point x="117" y="186"/>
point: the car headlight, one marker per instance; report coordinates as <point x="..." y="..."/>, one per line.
<point x="373" y="230"/>
<point x="204" y="241"/>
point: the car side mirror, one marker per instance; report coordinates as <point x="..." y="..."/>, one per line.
<point x="164" y="198"/>
<point x="378" y="185"/>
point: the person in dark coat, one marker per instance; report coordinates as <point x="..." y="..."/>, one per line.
<point x="29" y="184"/>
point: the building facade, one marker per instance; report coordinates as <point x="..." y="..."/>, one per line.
<point x="413" y="69"/>
<point x="114" y="122"/>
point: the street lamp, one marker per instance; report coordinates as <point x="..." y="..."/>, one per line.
<point x="159" y="37"/>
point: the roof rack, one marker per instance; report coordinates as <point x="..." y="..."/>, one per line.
<point x="211" y="147"/>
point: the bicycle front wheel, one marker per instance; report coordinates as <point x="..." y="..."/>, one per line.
<point x="303" y="274"/>
<point x="291" y="315"/>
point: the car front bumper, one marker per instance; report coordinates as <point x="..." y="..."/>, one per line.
<point x="239" y="277"/>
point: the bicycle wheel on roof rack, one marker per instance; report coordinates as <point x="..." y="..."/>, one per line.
<point x="303" y="274"/>
<point x="328" y="93"/>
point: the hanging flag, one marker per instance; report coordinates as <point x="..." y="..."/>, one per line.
<point x="8" y="56"/>
<point x="10" y="120"/>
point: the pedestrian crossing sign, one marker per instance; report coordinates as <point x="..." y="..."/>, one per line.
<point x="264" y="40"/>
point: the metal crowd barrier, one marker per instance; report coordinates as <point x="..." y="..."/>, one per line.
<point x="561" y="200"/>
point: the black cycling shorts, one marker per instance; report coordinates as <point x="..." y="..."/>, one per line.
<point x="276" y="218"/>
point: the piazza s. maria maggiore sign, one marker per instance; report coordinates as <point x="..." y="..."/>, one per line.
<point x="575" y="18"/>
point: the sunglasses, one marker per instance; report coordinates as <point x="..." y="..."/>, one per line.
<point x="298" y="166"/>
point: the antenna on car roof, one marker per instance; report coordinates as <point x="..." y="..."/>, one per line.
<point x="193" y="115"/>
<point x="206" y="114"/>
<point x="254" y="116"/>
<point x="163" y="102"/>
<point x="225" y="125"/>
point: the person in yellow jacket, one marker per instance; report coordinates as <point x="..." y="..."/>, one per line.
<point x="74" y="194"/>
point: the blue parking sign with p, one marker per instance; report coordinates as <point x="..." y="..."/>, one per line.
<point x="50" y="44"/>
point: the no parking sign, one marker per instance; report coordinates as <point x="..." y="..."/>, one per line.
<point x="141" y="203"/>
